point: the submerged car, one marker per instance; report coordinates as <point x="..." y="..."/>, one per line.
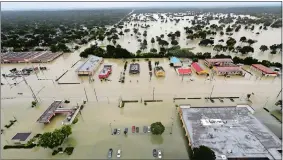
<point x="148" y="129"/>
<point x="115" y="131"/>
<point x="137" y="129"/>
<point x="154" y="153"/>
<point x="159" y="154"/>
<point x="110" y="153"/>
<point x="118" y="131"/>
<point x="144" y="129"/>
<point x="133" y="129"/>
<point x="119" y="153"/>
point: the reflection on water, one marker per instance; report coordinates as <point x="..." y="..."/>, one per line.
<point x="92" y="134"/>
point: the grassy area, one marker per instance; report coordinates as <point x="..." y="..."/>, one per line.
<point x="277" y="114"/>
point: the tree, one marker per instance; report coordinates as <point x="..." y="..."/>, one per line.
<point x="153" y="50"/>
<point x="221" y="33"/>
<point x="75" y="120"/>
<point x="174" y="42"/>
<point x="203" y="153"/>
<point x="114" y="41"/>
<point x="152" y="40"/>
<point x="218" y="48"/>
<point x="263" y="48"/>
<point x="55" y="138"/>
<point x="243" y="39"/>
<point x="157" y="128"/>
<point x="246" y="49"/>
<point x="231" y="41"/>
<point x="250" y="41"/>
<point x="206" y="42"/>
<point x="178" y="33"/>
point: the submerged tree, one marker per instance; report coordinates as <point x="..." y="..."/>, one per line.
<point x="263" y="48"/>
<point x="157" y="128"/>
<point x="203" y="153"/>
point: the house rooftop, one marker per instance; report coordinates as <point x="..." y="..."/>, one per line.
<point x="231" y="132"/>
<point x="21" y="136"/>
<point x="264" y="69"/>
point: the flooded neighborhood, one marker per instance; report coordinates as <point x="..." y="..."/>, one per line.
<point x="107" y="95"/>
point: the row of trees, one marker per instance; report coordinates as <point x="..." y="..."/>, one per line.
<point x="118" y="52"/>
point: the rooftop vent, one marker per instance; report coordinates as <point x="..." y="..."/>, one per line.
<point x="223" y="157"/>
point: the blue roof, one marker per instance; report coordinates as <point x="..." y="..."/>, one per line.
<point x="90" y="64"/>
<point x="174" y="60"/>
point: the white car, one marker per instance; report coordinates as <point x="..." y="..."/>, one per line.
<point x="118" y="131"/>
<point x="159" y="154"/>
<point x="148" y="129"/>
<point x="119" y="153"/>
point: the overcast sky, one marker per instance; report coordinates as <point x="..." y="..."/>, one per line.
<point x="90" y="5"/>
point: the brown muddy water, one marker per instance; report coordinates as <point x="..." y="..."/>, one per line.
<point x="92" y="134"/>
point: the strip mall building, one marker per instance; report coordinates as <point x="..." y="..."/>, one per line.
<point x="263" y="70"/>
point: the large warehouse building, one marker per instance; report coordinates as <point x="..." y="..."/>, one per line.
<point x="233" y="133"/>
<point x="89" y="66"/>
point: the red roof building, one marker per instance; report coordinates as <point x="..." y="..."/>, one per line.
<point x="198" y="69"/>
<point x="263" y="70"/>
<point x="184" y="71"/>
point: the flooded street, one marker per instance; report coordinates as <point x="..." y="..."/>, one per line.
<point x="92" y="137"/>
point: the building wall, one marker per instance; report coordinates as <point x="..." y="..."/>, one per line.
<point x="229" y="73"/>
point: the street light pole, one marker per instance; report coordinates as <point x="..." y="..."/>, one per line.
<point x="211" y="91"/>
<point x="153" y="93"/>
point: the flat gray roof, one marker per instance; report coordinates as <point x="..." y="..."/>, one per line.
<point x="90" y="64"/>
<point x="230" y="131"/>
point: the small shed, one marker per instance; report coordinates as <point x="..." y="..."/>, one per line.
<point x="20" y="137"/>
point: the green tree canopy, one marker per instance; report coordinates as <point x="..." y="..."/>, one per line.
<point x="157" y="128"/>
<point x="203" y="153"/>
<point x="55" y="138"/>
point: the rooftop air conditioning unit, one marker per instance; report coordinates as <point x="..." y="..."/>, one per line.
<point x="223" y="157"/>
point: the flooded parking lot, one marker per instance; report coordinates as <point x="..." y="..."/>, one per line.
<point x="92" y="134"/>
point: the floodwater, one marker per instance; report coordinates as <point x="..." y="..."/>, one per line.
<point x="92" y="134"/>
<point x="266" y="37"/>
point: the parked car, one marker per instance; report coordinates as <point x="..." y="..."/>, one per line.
<point x="154" y="153"/>
<point x="110" y="153"/>
<point x="118" y="131"/>
<point x="133" y="129"/>
<point x="148" y="129"/>
<point x="119" y="153"/>
<point x="115" y="131"/>
<point x="159" y="154"/>
<point x="137" y="129"/>
<point x="144" y="129"/>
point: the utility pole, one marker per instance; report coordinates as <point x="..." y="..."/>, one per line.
<point x="279" y="93"/>
<point x="95" y="94"/>
<point x="211" y="91"/>
<point x="85" y="94"/>
<point x="153" y="93"/>
<point x="33" y="95"/>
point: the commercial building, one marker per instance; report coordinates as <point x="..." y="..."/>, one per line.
<point x="105" y="72"/>
<point x="134" y="68"/>
<point x="26" y="57"/>
<point x="89" y="66"/>
<point x="198" y="69"/>
<point x="219" y="62"/>
<point x="263" y="70"/>
<point x="175" y="62"/>
<point x="231" y="132"/>
<point x="159" y="71"/>
<point x="228" y="70"/>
